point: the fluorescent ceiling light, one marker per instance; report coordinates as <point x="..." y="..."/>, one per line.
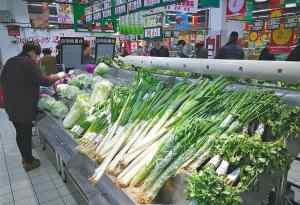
<point x="262" y="10"/>
<point x="291" y="5"/>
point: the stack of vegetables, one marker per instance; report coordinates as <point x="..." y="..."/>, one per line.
<point x="87" y="116"/>
<point x="236" y="162"/>
<point x="156" y="131"/>
<point x="55" y="107"/>
<point x="147" y="132"/>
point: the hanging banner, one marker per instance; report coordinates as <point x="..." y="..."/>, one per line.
<point x="249" y="10"/>
<point x="236" y="7"/>
<point x="79" y="17"/>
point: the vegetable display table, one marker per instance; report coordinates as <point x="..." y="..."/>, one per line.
<point x="72" y="163"/>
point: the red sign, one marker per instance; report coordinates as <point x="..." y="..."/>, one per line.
<point x="236" y="7"/>
<point x="13" y="30"/>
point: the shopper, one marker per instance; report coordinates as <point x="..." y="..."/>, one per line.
<point x="21" y="79"/>
<point x="155" y="51"/>
<point x="48" y="62"/>
<point x="58" y="54"/>
<point x="232" y="50"/>
<point x="266" y="54"/>
<point x="124" y="52"/>
<point x="139" y="51"/>
<point x="87" y="54"/>
<point x="164" y="51"/>
<point x="295" y="54"/>
<point x="180" y="49"/>
<point x="200" y="51"/>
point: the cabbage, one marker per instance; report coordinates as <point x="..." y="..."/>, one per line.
<point x="101" y="69"/>
<point x="59" y="109"/>
<point x="80" y="107"/>
<point x="46" y="102"/>
<point x="66" y="91"/>
<point x="56" y="108"/>
<point x="101" y="92"/>
<point x="82" y="81"/>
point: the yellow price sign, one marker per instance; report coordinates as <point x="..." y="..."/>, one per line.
<point x="282" y="36"/>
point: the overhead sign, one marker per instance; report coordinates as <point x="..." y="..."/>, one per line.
<point x="154" y="20"/>
<point x="153" y="33"/>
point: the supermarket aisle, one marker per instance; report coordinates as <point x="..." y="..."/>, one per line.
<point x="42" y="186"/>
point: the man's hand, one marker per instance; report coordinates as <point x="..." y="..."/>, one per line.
<point x="55" y="77"/>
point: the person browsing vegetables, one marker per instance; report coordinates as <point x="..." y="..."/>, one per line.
<point x="232" y="50"/>
<point x="21" y="79"/>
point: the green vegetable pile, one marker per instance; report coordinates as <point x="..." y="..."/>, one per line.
<point x="55" y="107"/>
<point x="147" y="132"/>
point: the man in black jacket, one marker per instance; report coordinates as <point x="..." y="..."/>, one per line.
<point x="21" y="79"/>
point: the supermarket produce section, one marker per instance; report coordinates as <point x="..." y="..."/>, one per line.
<point x="128" y="137"/>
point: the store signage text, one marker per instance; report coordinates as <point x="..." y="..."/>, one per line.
<point x="153" y="20"/>
<point x="70" y="40"/>
<point x="152" y="33"/>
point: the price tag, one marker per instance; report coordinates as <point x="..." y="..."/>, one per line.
<point x="153" y="33"/>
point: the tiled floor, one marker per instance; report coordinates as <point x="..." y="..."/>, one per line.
<point x="42" y="186"/>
